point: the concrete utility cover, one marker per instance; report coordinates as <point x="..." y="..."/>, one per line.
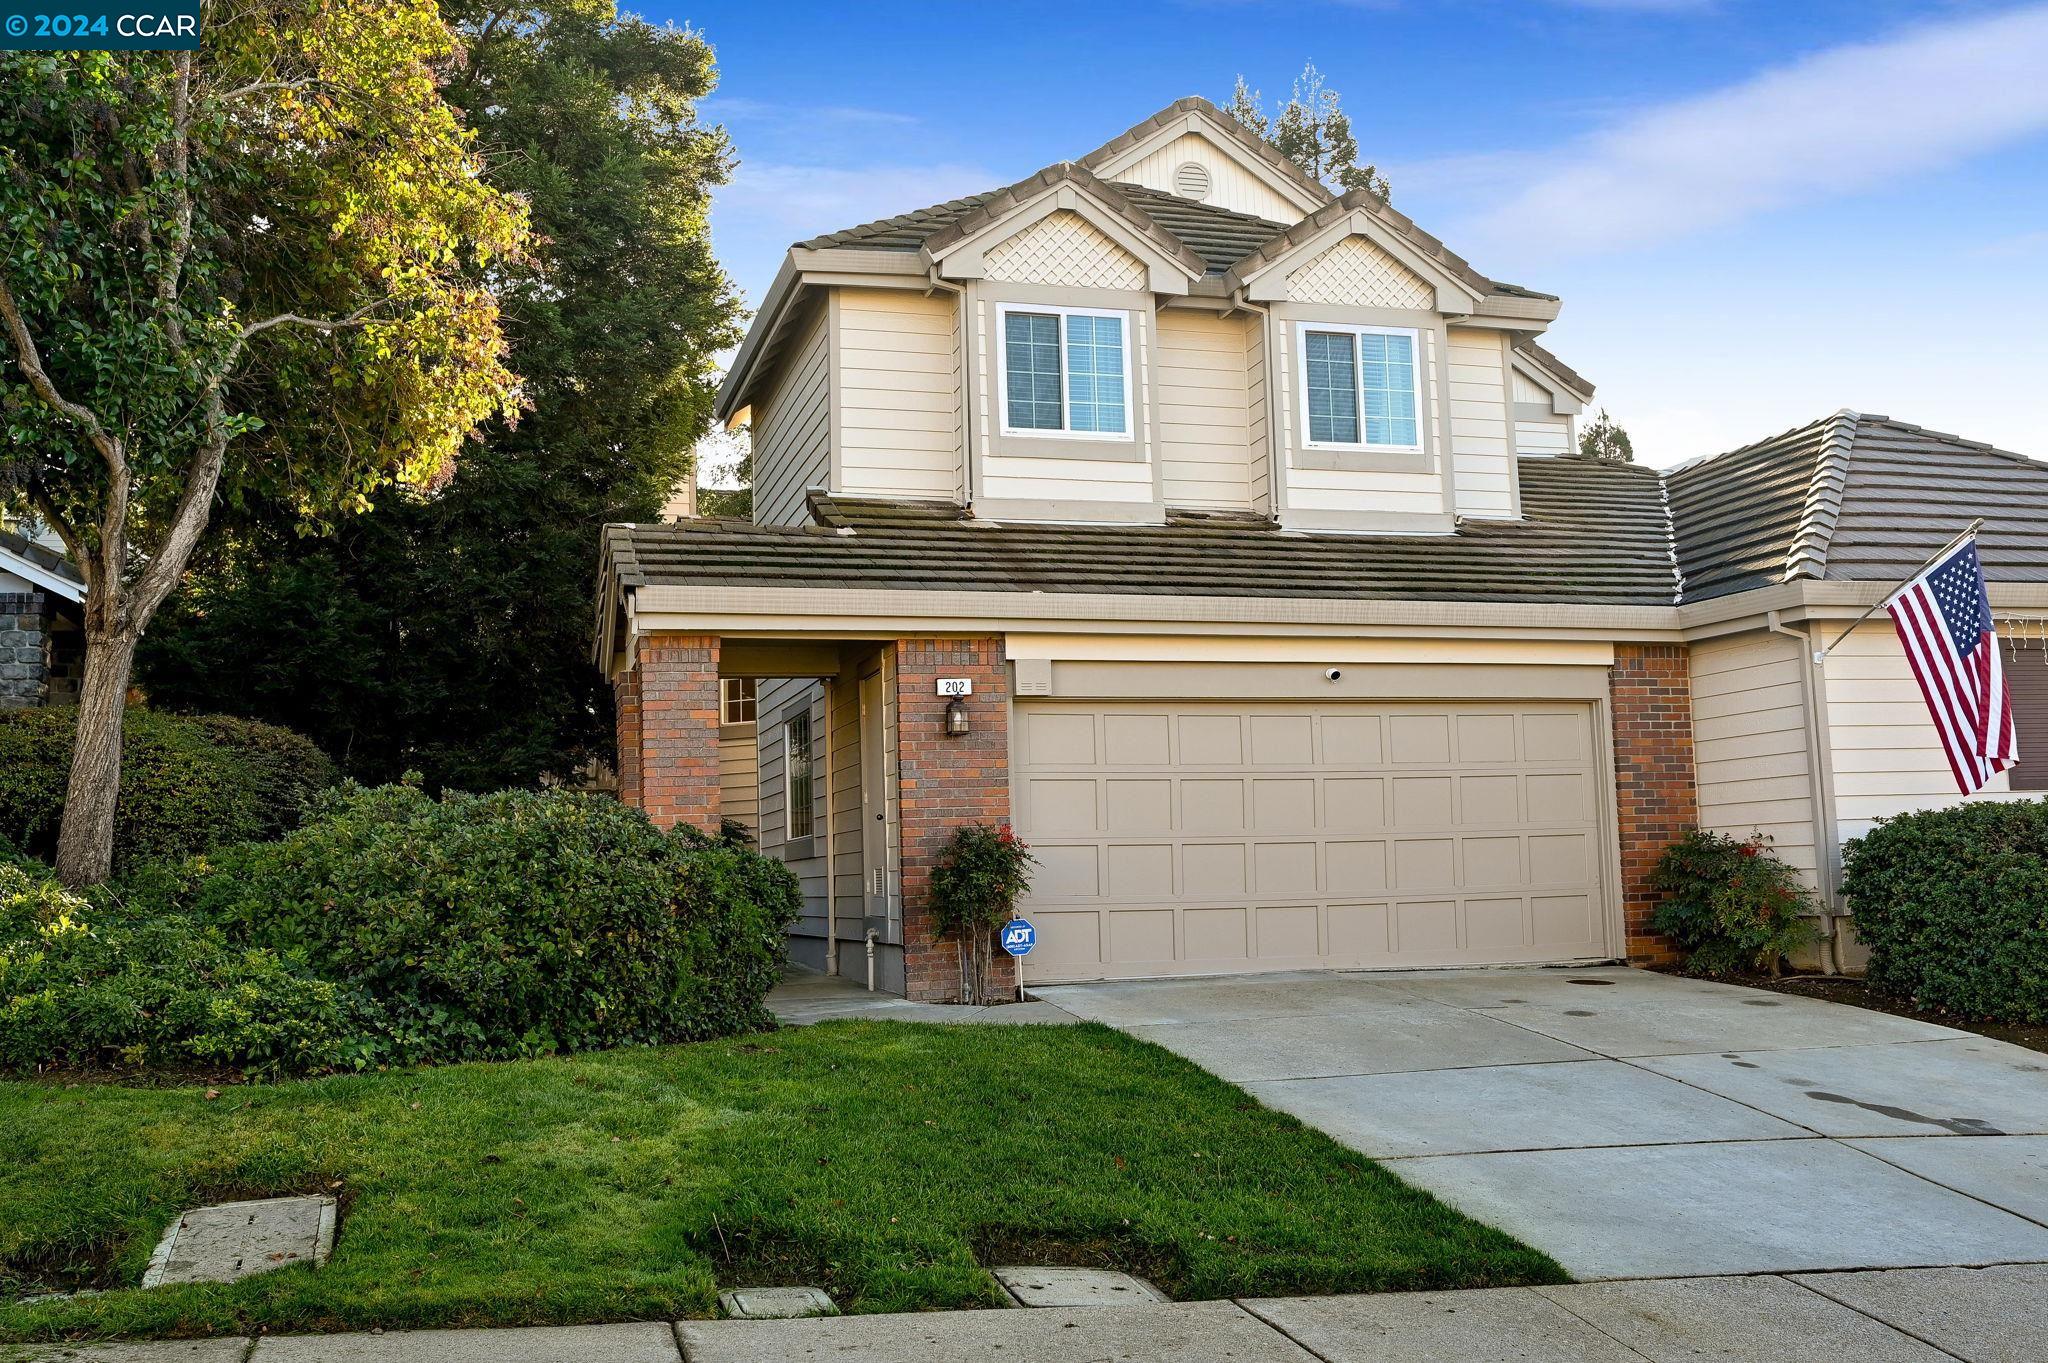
<point x="776" y="1303"/>
<point x="233" y="1240"/>
<point x="1075" y="1287"/>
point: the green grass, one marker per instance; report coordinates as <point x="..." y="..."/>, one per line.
<point x="888" y="1162"/>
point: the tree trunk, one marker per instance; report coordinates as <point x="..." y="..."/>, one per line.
<point x="85" y="844"/>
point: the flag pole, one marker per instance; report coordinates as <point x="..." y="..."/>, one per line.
<point x="1821" y="655"/>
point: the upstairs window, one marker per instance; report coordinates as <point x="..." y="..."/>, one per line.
<point x="1065" y="371"/>
<point x="1361" y="387"/>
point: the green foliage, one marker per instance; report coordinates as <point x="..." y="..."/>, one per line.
<point x="88" y="985"/>
<point x="1312" y="130"/>
<point x="977" y="878"/>
<point x="451" y="631"/>
<point x="1953" y="905"/>
<point x="1603" y="438"/>
<point x="187" y="783"/>
<point x="511" y="924"/>
<point x="1730" y="905"/>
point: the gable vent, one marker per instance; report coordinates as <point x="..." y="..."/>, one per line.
<point x="1191" y="181"/>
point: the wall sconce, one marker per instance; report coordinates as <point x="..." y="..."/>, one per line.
<point x="956" y="718"/>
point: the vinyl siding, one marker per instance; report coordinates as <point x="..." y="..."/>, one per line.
<point x="896" y="357"/>
<point x="1482" y="464"/>
<point x="1258" y="413"/>
<point x="793" y="432"/>
<point x="1750" y="748"/>
<point x="739" y="776"/>
<point x="1230" y="184"/>
<point x="1887" y="757"/>
<point x="779" y="700"/>
<point x="1548" y="433"/>
<point x="1205" y="438"/>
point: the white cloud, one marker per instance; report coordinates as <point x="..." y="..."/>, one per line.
<point x="740" y="109"/>
<point x="1837" y="122"/>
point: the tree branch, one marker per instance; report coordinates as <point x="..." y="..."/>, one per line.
<point x="360" y="317"/>
<point x="171" y="278"/>
<point x="30" y="361"/>
<point x="188" y="522"/>
<point x="46" y="509"/>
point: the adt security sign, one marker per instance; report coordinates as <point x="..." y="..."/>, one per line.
<point x="1019" y="937"/>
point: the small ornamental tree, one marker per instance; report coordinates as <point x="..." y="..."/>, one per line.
<point x="976" y="882"/>
<point x="1605" y="439"/>
<point x="1730" y="905"/>
<point x="258" y="270"/>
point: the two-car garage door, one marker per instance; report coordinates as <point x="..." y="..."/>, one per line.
<point x="1196" y="838"/>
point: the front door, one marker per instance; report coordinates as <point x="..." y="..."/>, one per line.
<point x="874" y="806"/>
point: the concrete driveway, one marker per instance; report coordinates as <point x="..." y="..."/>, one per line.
<point x="1636" y="1125"/>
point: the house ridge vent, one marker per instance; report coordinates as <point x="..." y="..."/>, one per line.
<point x="1191" y="181"/>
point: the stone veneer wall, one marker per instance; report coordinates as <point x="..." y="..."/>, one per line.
<point x="24" y="649"/>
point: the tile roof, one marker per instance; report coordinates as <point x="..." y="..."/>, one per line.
<point x="27" y="551"/>
<point x="1854" y="498"/>
<point x="1395" y="221"/>
<point x="1848" y="498"/>
<point x="1593" y="534"/>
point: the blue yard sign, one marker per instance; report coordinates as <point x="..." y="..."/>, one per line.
<point x="1019" y="937"/>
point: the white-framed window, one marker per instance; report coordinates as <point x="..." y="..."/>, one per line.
<point x="796" y="776"/>
<point x="1065" y="371"/>
<point x="736" y="700"/>
<point x="1361" y="387"/>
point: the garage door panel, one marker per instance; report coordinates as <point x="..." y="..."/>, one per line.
<point x="1201" y="837"/>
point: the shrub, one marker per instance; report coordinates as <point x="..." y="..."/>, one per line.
<point x="976" y="881"/>
<point x="503" y="925"/>
<point x="1729" y="904"/>
<point x="1953" y="905"/>
<point x="187" y="784"/>
<point x="82" y="986"/>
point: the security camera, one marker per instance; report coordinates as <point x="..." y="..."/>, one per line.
<point x="1333" y="674"/>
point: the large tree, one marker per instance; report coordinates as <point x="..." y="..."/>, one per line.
<point x="1312" y="130"/>
<point x="451" y="629"/>
<point x="249" y="272"/>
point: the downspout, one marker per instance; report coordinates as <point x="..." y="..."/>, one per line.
<point x="1821" y="797"/>
<point x="831" y="867"/>
<point x="963" y="334"/>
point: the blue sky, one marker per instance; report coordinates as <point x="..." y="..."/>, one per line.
<point x="1755" y="212"/>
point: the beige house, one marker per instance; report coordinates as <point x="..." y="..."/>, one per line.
<point x="1226" y="537"/>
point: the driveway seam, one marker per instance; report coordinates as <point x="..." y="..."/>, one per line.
<point x="1960" y="1192"/>
<point x="1588" y="1322"/>
<point x="675" y="1331"/>
<point x="1852" y="1306"/>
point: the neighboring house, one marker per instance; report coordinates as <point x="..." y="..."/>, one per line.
<point x="42" y="646"/>
<point x="1291" y="640"/>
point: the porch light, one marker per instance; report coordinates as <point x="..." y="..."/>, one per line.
<point x="956" y="718"/>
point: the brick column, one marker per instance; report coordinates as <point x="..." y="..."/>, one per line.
<point x="1655" y="793"/>
<point x="945" y="782"/>
<point x="668" y="715"/>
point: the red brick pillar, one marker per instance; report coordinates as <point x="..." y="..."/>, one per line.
<point x="945" y="782"/>
<point x="668" y="716"/>
<point x="1655" y="795"/>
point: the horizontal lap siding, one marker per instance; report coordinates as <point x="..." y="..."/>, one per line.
<point x="779" y="700"/>
<point x="1230" y="184"/>
<point x="792" y="432"/>
<point x="1482" y="463"/>
<point x="1750" y="748"/>
<point x="1204" y="410"/>
<point x="739" y="777"/>
<point x="899" y="404"/>
<point x="1887" y="758"/>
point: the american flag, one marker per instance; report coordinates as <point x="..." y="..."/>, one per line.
<point x="1944" y="620"/>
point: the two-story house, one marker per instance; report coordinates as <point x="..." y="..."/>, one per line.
<point x="1213" y="529"/>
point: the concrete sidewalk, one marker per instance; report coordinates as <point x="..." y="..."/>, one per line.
<point x="1982" y="1315"/>
<point x="807" y="996"/>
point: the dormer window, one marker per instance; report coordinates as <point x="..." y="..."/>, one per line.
<point x="1361" y="387"/>
<point x="1066" y="371"/>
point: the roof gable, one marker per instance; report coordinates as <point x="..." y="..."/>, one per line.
<point x="47" y="569"/>
<point x="1072" y="196"/>
<point x="1194" y="116"/>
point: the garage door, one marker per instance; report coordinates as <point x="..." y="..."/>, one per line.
<point x="1189" y="838"/>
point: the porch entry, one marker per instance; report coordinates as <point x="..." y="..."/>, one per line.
<point x="1185" y="838"/>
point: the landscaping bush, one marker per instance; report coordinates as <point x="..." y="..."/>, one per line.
<point x="976" y="881"/>
<point x="187" y="783"/>
<point x="1953" y="905"/>
<point x="503" y="925"/>
<point x="1729" y="904"/>
<point x="84" y="986"/>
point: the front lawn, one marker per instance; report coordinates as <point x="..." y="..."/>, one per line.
<point x="888" y="1162"/>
